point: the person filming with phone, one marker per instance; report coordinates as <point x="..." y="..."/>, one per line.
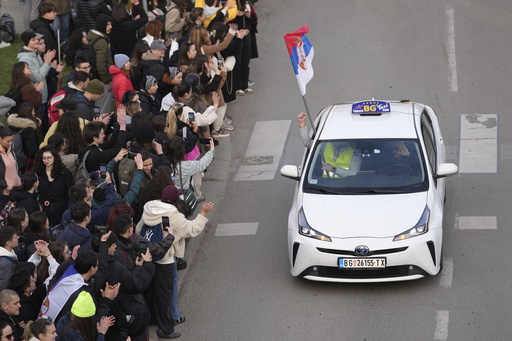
<point x="170" y="209"/>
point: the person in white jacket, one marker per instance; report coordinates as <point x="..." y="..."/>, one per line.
<point x="163" y="289"/>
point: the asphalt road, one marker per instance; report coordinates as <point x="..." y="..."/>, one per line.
<point x="451" y="55"/>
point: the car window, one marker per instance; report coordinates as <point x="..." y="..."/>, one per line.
<point x="366" y="166"/>
<point x="428" y="138"/>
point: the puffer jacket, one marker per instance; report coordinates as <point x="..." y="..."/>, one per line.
<point x="43" y="26"/>
<point x="181" y="227"/>
<point x="120" y="83"/>
<point x="27" y="130"/>
<point x="88" y="10"/>
<point x="77" y="235"/>
<point x="25" y="199"/>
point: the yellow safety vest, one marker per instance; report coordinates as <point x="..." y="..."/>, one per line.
<point x="343" y="161"/>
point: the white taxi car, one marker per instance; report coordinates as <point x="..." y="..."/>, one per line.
<point x="369" y="200"/>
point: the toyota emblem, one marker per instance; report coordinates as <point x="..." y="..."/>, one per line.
<point x="362" y="250"/>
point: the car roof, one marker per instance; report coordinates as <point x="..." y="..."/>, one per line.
<point x="340" y="123"/>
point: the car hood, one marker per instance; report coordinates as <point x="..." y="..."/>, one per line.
<point x="359" y="216"/>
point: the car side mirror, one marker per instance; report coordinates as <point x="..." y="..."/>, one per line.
<point x="291" y="172"/>
<point x="446" y="169"/>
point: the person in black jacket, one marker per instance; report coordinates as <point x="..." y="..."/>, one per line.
<point x="148" y="101"/>
<point x="43" y="25"/>
<point x="55" y="181"/>
<point x="89" y="10"/>
<point x="9" y="311"/>
<point x="123" y="35"/>
<point x="25" y="195"/>
<point x="28" y="125"/>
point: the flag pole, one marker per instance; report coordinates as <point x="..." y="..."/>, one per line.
<point x="309" y="115"/>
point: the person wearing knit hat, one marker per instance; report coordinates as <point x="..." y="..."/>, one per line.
<point x="84" y="306"/>
<point x="148" y="101"/>
<point x="121" y="73"/>
<point x="27" y="36"/>
<point x="85" y="102"/>
<point x="172" y="77"/>
<point x="82" y="314"/>
<point x="40" y="66"/>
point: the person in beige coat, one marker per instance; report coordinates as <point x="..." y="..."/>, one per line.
<point x="163" y="290"/>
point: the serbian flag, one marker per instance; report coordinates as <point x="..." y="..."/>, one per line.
<point x="59" y="294"/>
<point x="301" y="53"/>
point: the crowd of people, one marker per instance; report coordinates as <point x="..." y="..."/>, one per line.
<point x="100" y="173"/>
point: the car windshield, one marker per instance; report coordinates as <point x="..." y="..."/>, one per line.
<point x="366" y="166"/>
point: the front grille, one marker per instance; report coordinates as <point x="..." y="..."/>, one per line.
<point x="389" y="272"/>
<point x="371" y="253"/>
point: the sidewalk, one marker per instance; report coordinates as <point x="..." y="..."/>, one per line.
<point x="15" y="9"/>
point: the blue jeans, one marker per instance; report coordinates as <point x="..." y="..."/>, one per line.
<point x="175" y="313"/>
<point x="61" y="23"/>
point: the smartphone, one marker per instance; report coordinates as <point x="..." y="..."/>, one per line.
<point x="191" y="117"/>
<point x="220" y="63"/>
<point x="96" y="111"/>
<point x="165" y="222"/>
<point x="103" y="171"/>
<point x="174" y="35"/>
<point x="204" y="140"/>
<point x="143" y="247"/>
<point x="131" y="155"/>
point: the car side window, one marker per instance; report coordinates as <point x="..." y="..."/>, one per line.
<point x="429" y="140"/>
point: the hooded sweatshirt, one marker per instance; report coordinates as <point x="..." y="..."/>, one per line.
<point x="181" y="227"/>
<point x="8" y="261"/>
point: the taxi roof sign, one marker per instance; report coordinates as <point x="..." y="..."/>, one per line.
<point x="370" y="107"/>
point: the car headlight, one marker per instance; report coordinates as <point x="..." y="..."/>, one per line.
<point x="420" y="228"/>
<point x="306" y="230"/>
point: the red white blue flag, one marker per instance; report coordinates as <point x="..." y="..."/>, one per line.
<point x="301" y="54"/>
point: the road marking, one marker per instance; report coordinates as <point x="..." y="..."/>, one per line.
<point x="442" y="319"/>
<point x="264" y="151"/>
<point x="450" y="48"/>
<point x="447" y="274"/>
<point x="477" y="223"/>
<point x="236" y="229"/>
<point x="478" y="143"/>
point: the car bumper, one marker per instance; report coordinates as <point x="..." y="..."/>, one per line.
<point x="405" y="260"/>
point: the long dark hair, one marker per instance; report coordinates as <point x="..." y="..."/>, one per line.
<point x="174" y="149"/>
<point x="139" y="48"/>
<point x="36" y="223"/>
<point x="15" y="218"/>
<point x="57" y="250"/>
<point x="69" y="126"/>
<point x="57" y="167"/>
<point x="153" y="189"/>
<point x="17" y="75"/>
<point x="74" y="44"/>
<point x="85" y="325"/>
<point x="119" y="14"/>
<point x="26" y="111"/>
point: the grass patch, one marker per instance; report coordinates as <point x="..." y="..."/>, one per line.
<point x="6" y="62"/>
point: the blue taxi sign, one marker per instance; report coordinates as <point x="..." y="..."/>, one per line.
<point x="370" y="107"/>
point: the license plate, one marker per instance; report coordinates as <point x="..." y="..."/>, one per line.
<point x="361" y="263"/>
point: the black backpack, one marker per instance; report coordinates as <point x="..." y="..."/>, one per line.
<point x="56" y="231"/>
<point x="7" y="30"/>
<point x="15" y="95"/>
<point x="89" y="53"/>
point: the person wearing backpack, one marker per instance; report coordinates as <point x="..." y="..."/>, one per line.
<point x="170" y="207"/>
<point x="21" y="89"/>
<point x="99" y="37"/>
<point x="9" y="172"/>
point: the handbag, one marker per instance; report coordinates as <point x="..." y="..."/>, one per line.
<point x="230" y="63"/>
<point x="190" y="198"/>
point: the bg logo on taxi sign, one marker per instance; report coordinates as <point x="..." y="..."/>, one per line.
<point x="370" y="107"/>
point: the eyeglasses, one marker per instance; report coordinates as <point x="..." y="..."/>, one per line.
<point x="47" y="158"/>
<point x="9" y="336"/>
<point x="84" y="68"/>
<point x="47" y="322"/>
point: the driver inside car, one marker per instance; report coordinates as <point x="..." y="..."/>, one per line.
<point x="398" y="160"/>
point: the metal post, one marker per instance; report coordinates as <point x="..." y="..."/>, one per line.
<point x="58" y="44"/>
<point x="309" y="115"/>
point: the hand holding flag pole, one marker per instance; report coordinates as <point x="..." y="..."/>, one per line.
<point x="301" y="54"/>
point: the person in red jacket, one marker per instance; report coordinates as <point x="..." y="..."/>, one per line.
<point x="121" y="73"/>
